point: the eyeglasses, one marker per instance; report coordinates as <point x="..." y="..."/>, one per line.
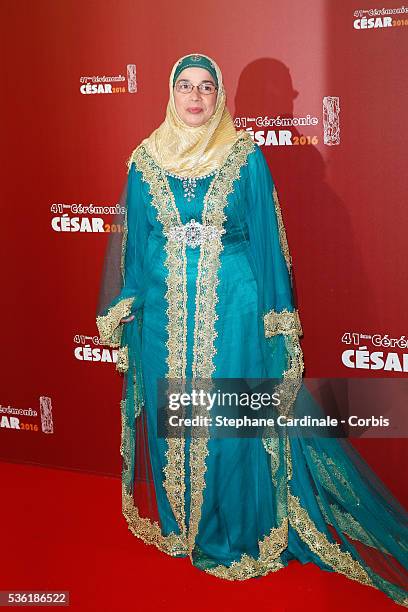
<point x="185" y="87"/>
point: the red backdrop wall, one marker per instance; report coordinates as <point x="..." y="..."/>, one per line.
<point x="344" y="204"/>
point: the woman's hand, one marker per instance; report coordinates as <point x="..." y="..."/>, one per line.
<point x="127" y="319"/>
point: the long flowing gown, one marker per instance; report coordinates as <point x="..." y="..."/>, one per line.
<point x="218" y="303"/>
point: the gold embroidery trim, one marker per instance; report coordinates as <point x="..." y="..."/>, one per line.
<point x="122" y="362"/>
<point x="329" y="473"/>
<point x="247" y="567"/>
<point x="296" y="364"/>
<point x="284" y="322"/>
<point x="272" y="446"/>
<point x="292" y="376"/>
<point x="150" y="531"/>
<point x="109" y="326"/>
<point x="288" y="455"/>
<point x="270" y="548"/>
<point x="282" y="232"/>
<point x="138" y="395"/>
<point x="123" y="448"/>
<point x="348" y="525"/>
<point x="124" y="245"/>
<point x="329" y="552"/>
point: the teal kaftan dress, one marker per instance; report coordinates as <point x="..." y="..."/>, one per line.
<point x="220" y="305"/>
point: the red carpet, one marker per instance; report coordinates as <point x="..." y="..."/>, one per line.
<point x="64" y="530"/>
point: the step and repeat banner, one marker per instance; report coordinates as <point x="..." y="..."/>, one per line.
<point x="322" y="88"/>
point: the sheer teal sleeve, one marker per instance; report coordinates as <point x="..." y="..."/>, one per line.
<point x="271" y="260"/>
<point x="124" y="274"/>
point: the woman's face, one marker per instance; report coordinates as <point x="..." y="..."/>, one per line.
<point x="195" y="108"/>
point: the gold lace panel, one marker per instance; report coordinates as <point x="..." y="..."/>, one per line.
<point x="284" y="322"/>
<point x="109" y="326"/>
<point x="122" y="363"/>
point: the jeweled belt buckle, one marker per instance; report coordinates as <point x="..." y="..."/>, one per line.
<point x="194" y="233"/>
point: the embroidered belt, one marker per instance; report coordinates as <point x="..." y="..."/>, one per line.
<point x="194" y="233"/>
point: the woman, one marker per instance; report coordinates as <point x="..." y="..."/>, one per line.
<point x="206" y="292"/>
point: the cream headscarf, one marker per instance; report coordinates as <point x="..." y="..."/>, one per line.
<point x="193" y="151"/>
